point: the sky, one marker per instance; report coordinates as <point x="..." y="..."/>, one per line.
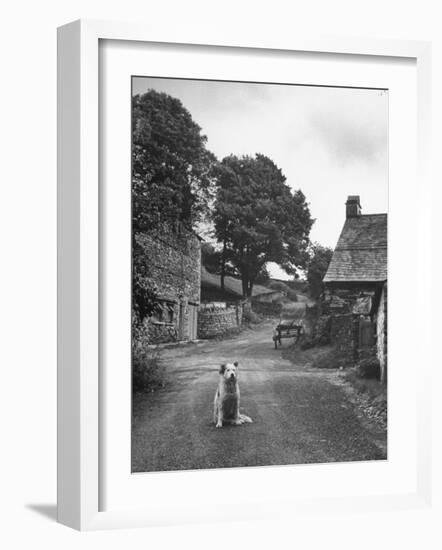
<point x="329" y="142"/>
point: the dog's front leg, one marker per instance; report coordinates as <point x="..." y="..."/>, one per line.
<point x="215" y="408"/>
<point x="217" y="411"/>
<point x="237" y="416"/>
<point x="219" y="419"/>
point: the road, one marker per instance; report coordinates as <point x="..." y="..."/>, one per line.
<point x="300" y="415"/>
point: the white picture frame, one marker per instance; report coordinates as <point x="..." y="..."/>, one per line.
<point x="79" y="271"/>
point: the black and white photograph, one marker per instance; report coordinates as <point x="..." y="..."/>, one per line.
<point x="220" y="264"/>
<point x="259" y="274"/>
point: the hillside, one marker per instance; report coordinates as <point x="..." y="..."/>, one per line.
<point x="231" y="284"/>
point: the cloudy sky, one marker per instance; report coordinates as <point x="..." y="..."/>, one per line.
<point x="328" y="142"/>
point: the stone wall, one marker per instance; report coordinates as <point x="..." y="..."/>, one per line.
<point x="161" y="333"/>
<point x="217" y="321"/>
<point x="349" y="307"/>
<point x="173" y="264"/>
<point x="174" y="261"/>
<point x="342" y="335"/>
<point x="381" y="332"/>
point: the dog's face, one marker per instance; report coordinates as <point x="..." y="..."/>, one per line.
<point x="229" y="371"/>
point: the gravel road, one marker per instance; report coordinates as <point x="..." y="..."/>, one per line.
<point x="300" y="415"/>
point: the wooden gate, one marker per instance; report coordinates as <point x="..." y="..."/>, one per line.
<point x="181" y="322"/>
<point x="193" y="312"/>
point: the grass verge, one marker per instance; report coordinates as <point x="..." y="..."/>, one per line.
<point x="148" y="374"/>
<point x="372" y="391"/>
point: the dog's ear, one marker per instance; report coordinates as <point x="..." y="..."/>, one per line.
<point x="235" y="363"/>
<point x="222" y="368"/>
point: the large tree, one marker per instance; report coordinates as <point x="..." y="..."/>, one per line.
<point x="320" y="257"/>
<point x="171" y="165"/>
<point x="258" y="219"/>
<point x="210" y="257"/>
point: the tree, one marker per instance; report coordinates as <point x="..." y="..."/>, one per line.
<point x="320" y="257"/>
<point x="171" y="165"/>
<point x="263" y="277"/>
<point x="144" y="290"/>
<point x="258" y="219"/>
<point x="210" y="258"/>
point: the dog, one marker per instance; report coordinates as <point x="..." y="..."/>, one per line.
<point x="226" y="405"/>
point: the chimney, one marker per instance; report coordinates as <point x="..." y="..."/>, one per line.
<point x="353" y="206"/>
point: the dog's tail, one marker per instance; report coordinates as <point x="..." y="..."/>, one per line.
<point x="246" y="419"/>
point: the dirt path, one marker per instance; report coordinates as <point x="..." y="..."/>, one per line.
<point x="300" y="415"/>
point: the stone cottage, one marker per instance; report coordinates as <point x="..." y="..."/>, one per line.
<point x="356" y="286"/>
<point x="174" y="260"/>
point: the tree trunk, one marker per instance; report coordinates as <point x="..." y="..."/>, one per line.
<point x="244" y="286"/>
<point x="247" y="286"/>
<point x="384" y="373"/>
<point x="251" y="288"/>
<point x="223" y="265"/>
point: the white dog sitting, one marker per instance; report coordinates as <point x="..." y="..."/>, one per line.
<point x="226" y="405"/>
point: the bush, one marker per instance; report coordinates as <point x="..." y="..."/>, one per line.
<point x="291" y="295"/>
<point x="330" y="358"/>
<point x="148" y="374"/>
<point x="271" y="309"/>
<point x="369" y="368"/>
<point x="373" y="390"/>
<point x="307" y="342"/>
<point x="319" y="333"/>
<point x="278" y="285"/>
<point x="250" y="317"/>
<point x="283" y="287"/>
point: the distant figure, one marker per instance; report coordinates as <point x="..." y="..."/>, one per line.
<point x="276" y="336"/>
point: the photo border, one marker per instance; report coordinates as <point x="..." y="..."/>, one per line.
<point x="79" y="253"/>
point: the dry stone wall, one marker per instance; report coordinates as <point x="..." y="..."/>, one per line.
<point x="217" y="321"/>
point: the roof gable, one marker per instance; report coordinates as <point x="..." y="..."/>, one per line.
<point x="361" y="252"/>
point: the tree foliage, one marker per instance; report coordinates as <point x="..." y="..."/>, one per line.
<point x="171" y="180"/>
<point x="144" y="290"/>
<point x="171" y="166"/>
<point x="210" y="258"/>
<point x="263" y="277"/>
<point x="320" y="257"/>
<point x="258" y="219"/>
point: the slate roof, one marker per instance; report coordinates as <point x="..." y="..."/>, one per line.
<point x="361" y="252"/>
<point x="232" y="285"/>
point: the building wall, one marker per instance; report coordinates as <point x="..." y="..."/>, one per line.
<point x="381" y="331"/>
<point x="350" y="308"/>
<point x="173" y="260"/>
<point x="341" y="299"/>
